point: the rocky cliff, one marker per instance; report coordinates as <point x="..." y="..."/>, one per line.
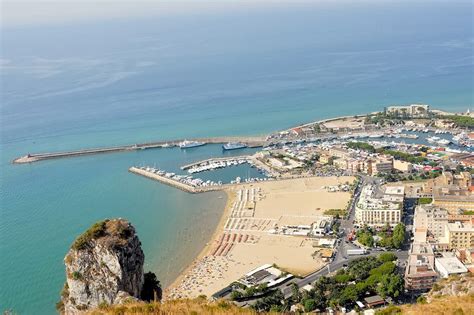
<point x="103" y="267"/>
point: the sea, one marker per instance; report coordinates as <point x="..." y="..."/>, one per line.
<point x="248" y="70"/>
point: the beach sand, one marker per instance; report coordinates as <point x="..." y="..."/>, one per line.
<point x="242" y="242"/>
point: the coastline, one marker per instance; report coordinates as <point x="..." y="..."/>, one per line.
<point x="207" y="247"/>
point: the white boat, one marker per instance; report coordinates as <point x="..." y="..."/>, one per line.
<point x="190" y="144"/>
<point x="433" y="139"/>
<point x="443" y="142"/>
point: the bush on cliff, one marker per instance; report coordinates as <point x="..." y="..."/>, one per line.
<point x="94" y="232"/>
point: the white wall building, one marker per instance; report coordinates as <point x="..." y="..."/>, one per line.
<point x="375" y="211"/>
<point x="447" y="266"/>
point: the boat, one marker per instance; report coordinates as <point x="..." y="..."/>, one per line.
<point x="234" y="146"/>
<point x="443" y="142"/>
<point x="433" y="139"/>
<point x="190" y="144"/>
<point x="376" y="135"/>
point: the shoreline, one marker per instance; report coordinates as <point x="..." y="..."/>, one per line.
<point x="207" y="247"/>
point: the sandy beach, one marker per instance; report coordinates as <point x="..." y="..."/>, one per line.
<point x="242" y="240"/>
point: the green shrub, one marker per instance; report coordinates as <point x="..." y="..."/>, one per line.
<point x="76" y="275"/>
<point x="309" y="305"/>
<point x="390" y="310"/>
<point x="95" y="231"/>
<point x="425" y="200"/>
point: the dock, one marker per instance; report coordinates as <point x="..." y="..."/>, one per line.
<point x="175" y="183"/>
<point x="211" y="160"/>
<point x="251" y="142"/>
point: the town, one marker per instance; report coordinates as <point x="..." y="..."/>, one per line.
<point x="409" y="221"/>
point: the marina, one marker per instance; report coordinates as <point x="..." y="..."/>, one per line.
<point x="216" y="163"/>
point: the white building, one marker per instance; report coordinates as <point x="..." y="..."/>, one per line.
<point x="413" y="110"/>
<point x="432" y="219"/>
<point x="394" y="193"/>
<point x="375" y="211"/>
<point x="447" y="266"/>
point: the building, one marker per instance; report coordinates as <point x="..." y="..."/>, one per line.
<point x="447" y="266"/>
<point x="322" y="226"/>
<point x="462" y="181"/>
<point x="325" y="158"/>
<point x="380" y="165"/>
<point x="432" y="219"/>
<point x="356" y="165"/>
<point x="340" y="163"/>
<point x="451" y="191"/>
<point x="402" y="166"/>
<point x="394" y="193"/>
<point x="409" y="111"/>
<point x="420" y="274"/>
<point x="266" y="274"/>
<point x="373" y="210"/>
<point x="339" y="152"/>
<point x="465" y="255"/>
<point x="458" y="235"/>
<point x="453" y="199"/>
<point x="373" y="301"/>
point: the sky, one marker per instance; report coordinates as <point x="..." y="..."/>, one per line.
<point x="24" y="13"/>
<point x="20" y="13"/>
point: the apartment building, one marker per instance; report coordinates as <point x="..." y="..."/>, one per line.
<point x="420" y="274"/>
<point x="372" y="210"/>
<point x="458" y="235"/>
<point x="432" y="219"/>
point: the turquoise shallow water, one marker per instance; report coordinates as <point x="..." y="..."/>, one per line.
<point x="241" y="72"/>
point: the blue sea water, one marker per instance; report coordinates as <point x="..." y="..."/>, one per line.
<point x="246" y="71"/>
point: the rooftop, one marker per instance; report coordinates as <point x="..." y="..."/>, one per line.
<point x="451" y="264"/>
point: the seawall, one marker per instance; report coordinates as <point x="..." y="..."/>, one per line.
<point x="251" y="142"/>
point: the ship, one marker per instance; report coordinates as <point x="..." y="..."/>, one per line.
<point x="234" y="146"/>
<point x="190" y="144"/>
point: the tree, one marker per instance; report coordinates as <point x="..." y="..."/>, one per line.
<point x="348" y="295"/>
<point x="151" y="290"/>
<point x="296" y="294"/>
<point x="235" y="295"/>
<point x="386" y="257"/>
<point x="398" y="237"/>
<point x="390" y="285"/>
<point x="309" y="305"/>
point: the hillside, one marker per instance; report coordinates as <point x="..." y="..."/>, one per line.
<point x="457" y="298"/>
<point x="196" y="306"/>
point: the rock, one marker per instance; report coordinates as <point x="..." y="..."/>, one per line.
<point x="103" y="266"/>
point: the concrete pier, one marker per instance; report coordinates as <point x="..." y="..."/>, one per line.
<point x="174" y="183"/>
<point x="250" y="141"/>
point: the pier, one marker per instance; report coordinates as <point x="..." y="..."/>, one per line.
<point x="175" y="183"/>
<point x="213" y="160"/>
<point x="251" y="142"/>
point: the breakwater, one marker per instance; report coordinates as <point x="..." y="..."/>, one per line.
<point x="251" y="142"/>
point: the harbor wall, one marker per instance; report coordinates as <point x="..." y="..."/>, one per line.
<point x="250" y="141"/>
